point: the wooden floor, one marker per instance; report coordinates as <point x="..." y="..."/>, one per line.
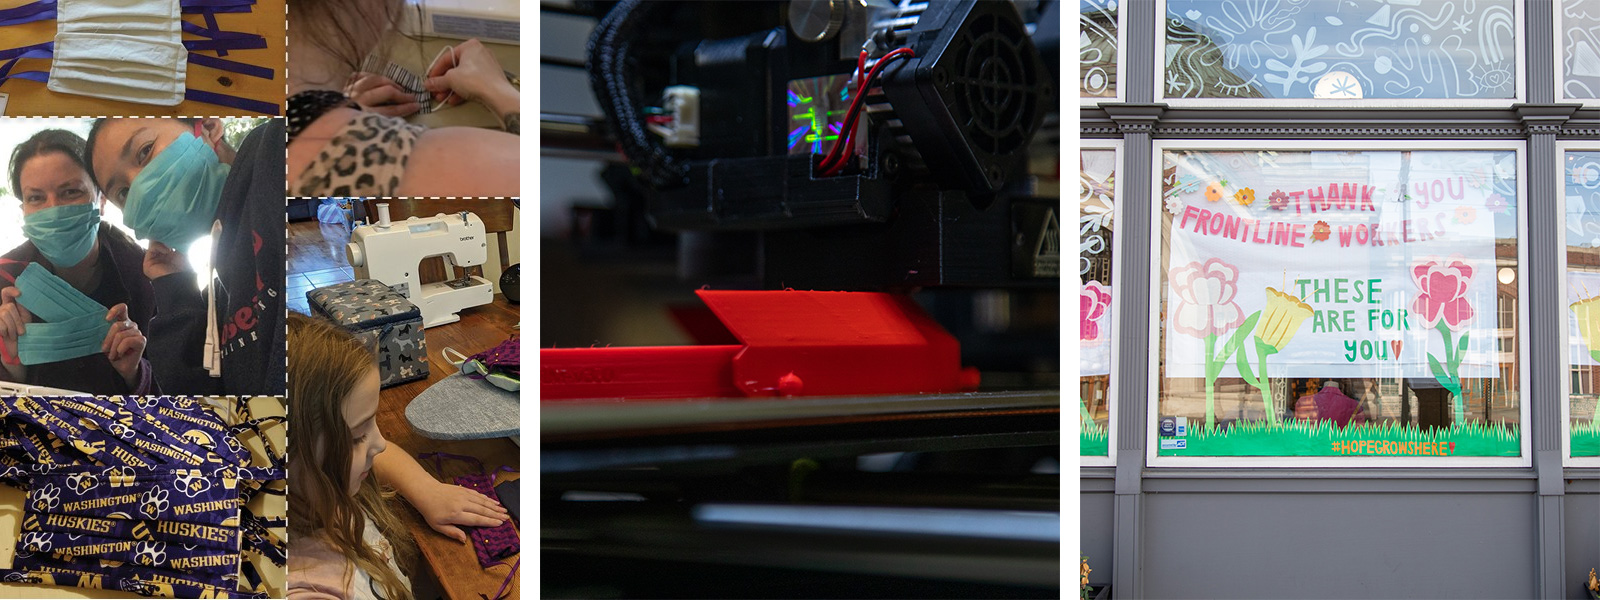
<point x="316" y="259"/>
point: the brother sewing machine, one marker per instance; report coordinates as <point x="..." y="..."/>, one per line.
<point x="391" y="252"/>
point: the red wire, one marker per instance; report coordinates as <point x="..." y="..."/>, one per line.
<point x="836" y="156"/>
<point x="835" y="160"/>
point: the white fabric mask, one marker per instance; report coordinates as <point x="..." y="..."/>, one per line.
<point x="128" y="50"/>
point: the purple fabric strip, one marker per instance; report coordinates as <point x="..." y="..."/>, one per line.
<point x="266" y="108"/>
<point x="38" y="11"/>
<point x="193" y="10"/>
<point x="137" y="429"/>
<point x="212" y="32"/>
<point x="197" y="534"/>
<point x="500" y="594"/>
<point x="211" y="23"/>
<point x="230" y="66"/>
<point x="19" y="51"/>
<point x="200" y="4"/>
<point x="226" y="44"/>
<point x="174" y="496"/>
<point x="91" y="573"/>
<point x="206" y="563"/>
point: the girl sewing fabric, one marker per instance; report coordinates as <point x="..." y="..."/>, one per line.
<point x="61" y="219"/>
<point x="177" y="180"/>
<point x="344" y="540"/>
<point x="338" y="149"/>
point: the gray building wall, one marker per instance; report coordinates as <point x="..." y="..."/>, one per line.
<point x="1343" y="533"/>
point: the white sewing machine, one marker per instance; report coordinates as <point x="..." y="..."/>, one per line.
<point x="390" y="252"/>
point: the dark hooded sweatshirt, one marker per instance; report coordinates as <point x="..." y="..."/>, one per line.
<point x="249" y="275"/>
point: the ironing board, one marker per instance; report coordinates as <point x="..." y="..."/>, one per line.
<point x="461" y="408"/>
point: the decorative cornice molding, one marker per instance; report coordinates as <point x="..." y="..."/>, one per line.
<point x="1135" y="118"/>
<point x="1545" y="118"/>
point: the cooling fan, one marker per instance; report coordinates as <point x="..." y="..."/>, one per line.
<point x="973" y="96"/>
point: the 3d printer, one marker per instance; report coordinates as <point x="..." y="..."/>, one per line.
<point x="809" y="147"/>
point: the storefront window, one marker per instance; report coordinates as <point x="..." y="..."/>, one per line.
<point x="1097" y="48"/>
<point x="1579" y="28"/>
<point x="1096" y="207"/>
<point x="1582" y="178"/>
<point x="1342" y="50"/>
<point x="1338" y="302"/>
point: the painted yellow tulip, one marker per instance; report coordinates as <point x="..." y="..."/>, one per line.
<point x="1588" y="312"/>
<point x="1281" y="319"/>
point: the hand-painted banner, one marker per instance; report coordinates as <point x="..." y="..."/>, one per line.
<point x="1335" y="264"/>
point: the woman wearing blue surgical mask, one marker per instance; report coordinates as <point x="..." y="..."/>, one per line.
<point x="61" y="219"/>
<point x="176" y="181"/>
<point x="346" y="134"/>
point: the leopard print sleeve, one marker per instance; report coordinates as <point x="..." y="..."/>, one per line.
<point x="365" y="159"/>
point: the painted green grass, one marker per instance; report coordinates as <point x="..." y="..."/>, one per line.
<point x="1094" y="440"/>
<point x="1586" y="439"/>
<point x="1302" y="438"/>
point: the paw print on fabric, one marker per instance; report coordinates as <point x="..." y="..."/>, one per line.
<point x="153" y="503"/>
<point x="82" y="482"/>
<point x="35" y="541"/>
<point x="191" y="483"/>
<point x="150" y="554"/>
<point x="145" y="402"/>
<point x="122" y="432"/>
<point x="47" y="498"/>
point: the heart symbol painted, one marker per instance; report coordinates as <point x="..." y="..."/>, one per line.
<point x="1394" y="347"/>
<point x="1194" y="15"/>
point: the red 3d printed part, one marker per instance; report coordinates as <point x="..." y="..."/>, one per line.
<point x="792" y="344"/>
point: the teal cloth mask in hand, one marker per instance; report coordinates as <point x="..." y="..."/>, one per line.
<point x="173" y="200"/>
<point x="62" y="340"/>
<point x="64" y="234"/>
<point x="74" y="324"/>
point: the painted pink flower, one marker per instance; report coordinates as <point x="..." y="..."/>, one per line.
<point x="1496" y="204"/>
<point x="1093" y="302"/>
<point x="1204" y="298"/>
<point x="1444" y="292"/>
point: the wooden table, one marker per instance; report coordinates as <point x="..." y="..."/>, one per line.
<point x="454" y="564"/>
<point x="266" y="19"/>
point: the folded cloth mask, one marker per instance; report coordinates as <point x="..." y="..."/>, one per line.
<point x="127" y="50"/>
<point x="74" y="324"/>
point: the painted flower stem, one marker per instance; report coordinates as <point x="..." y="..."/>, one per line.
<point x="1211" y="381"/>
<point x="1449" y="373"/>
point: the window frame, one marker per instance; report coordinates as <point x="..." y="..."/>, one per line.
<point x="1561" y="66"/>
<point x="1519" y="11"/>
<point x="1114" y="325"/>
<point x="1562" y="148"/>
<point x="1160" y="146"/>
<point x="1122" y="52"/>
